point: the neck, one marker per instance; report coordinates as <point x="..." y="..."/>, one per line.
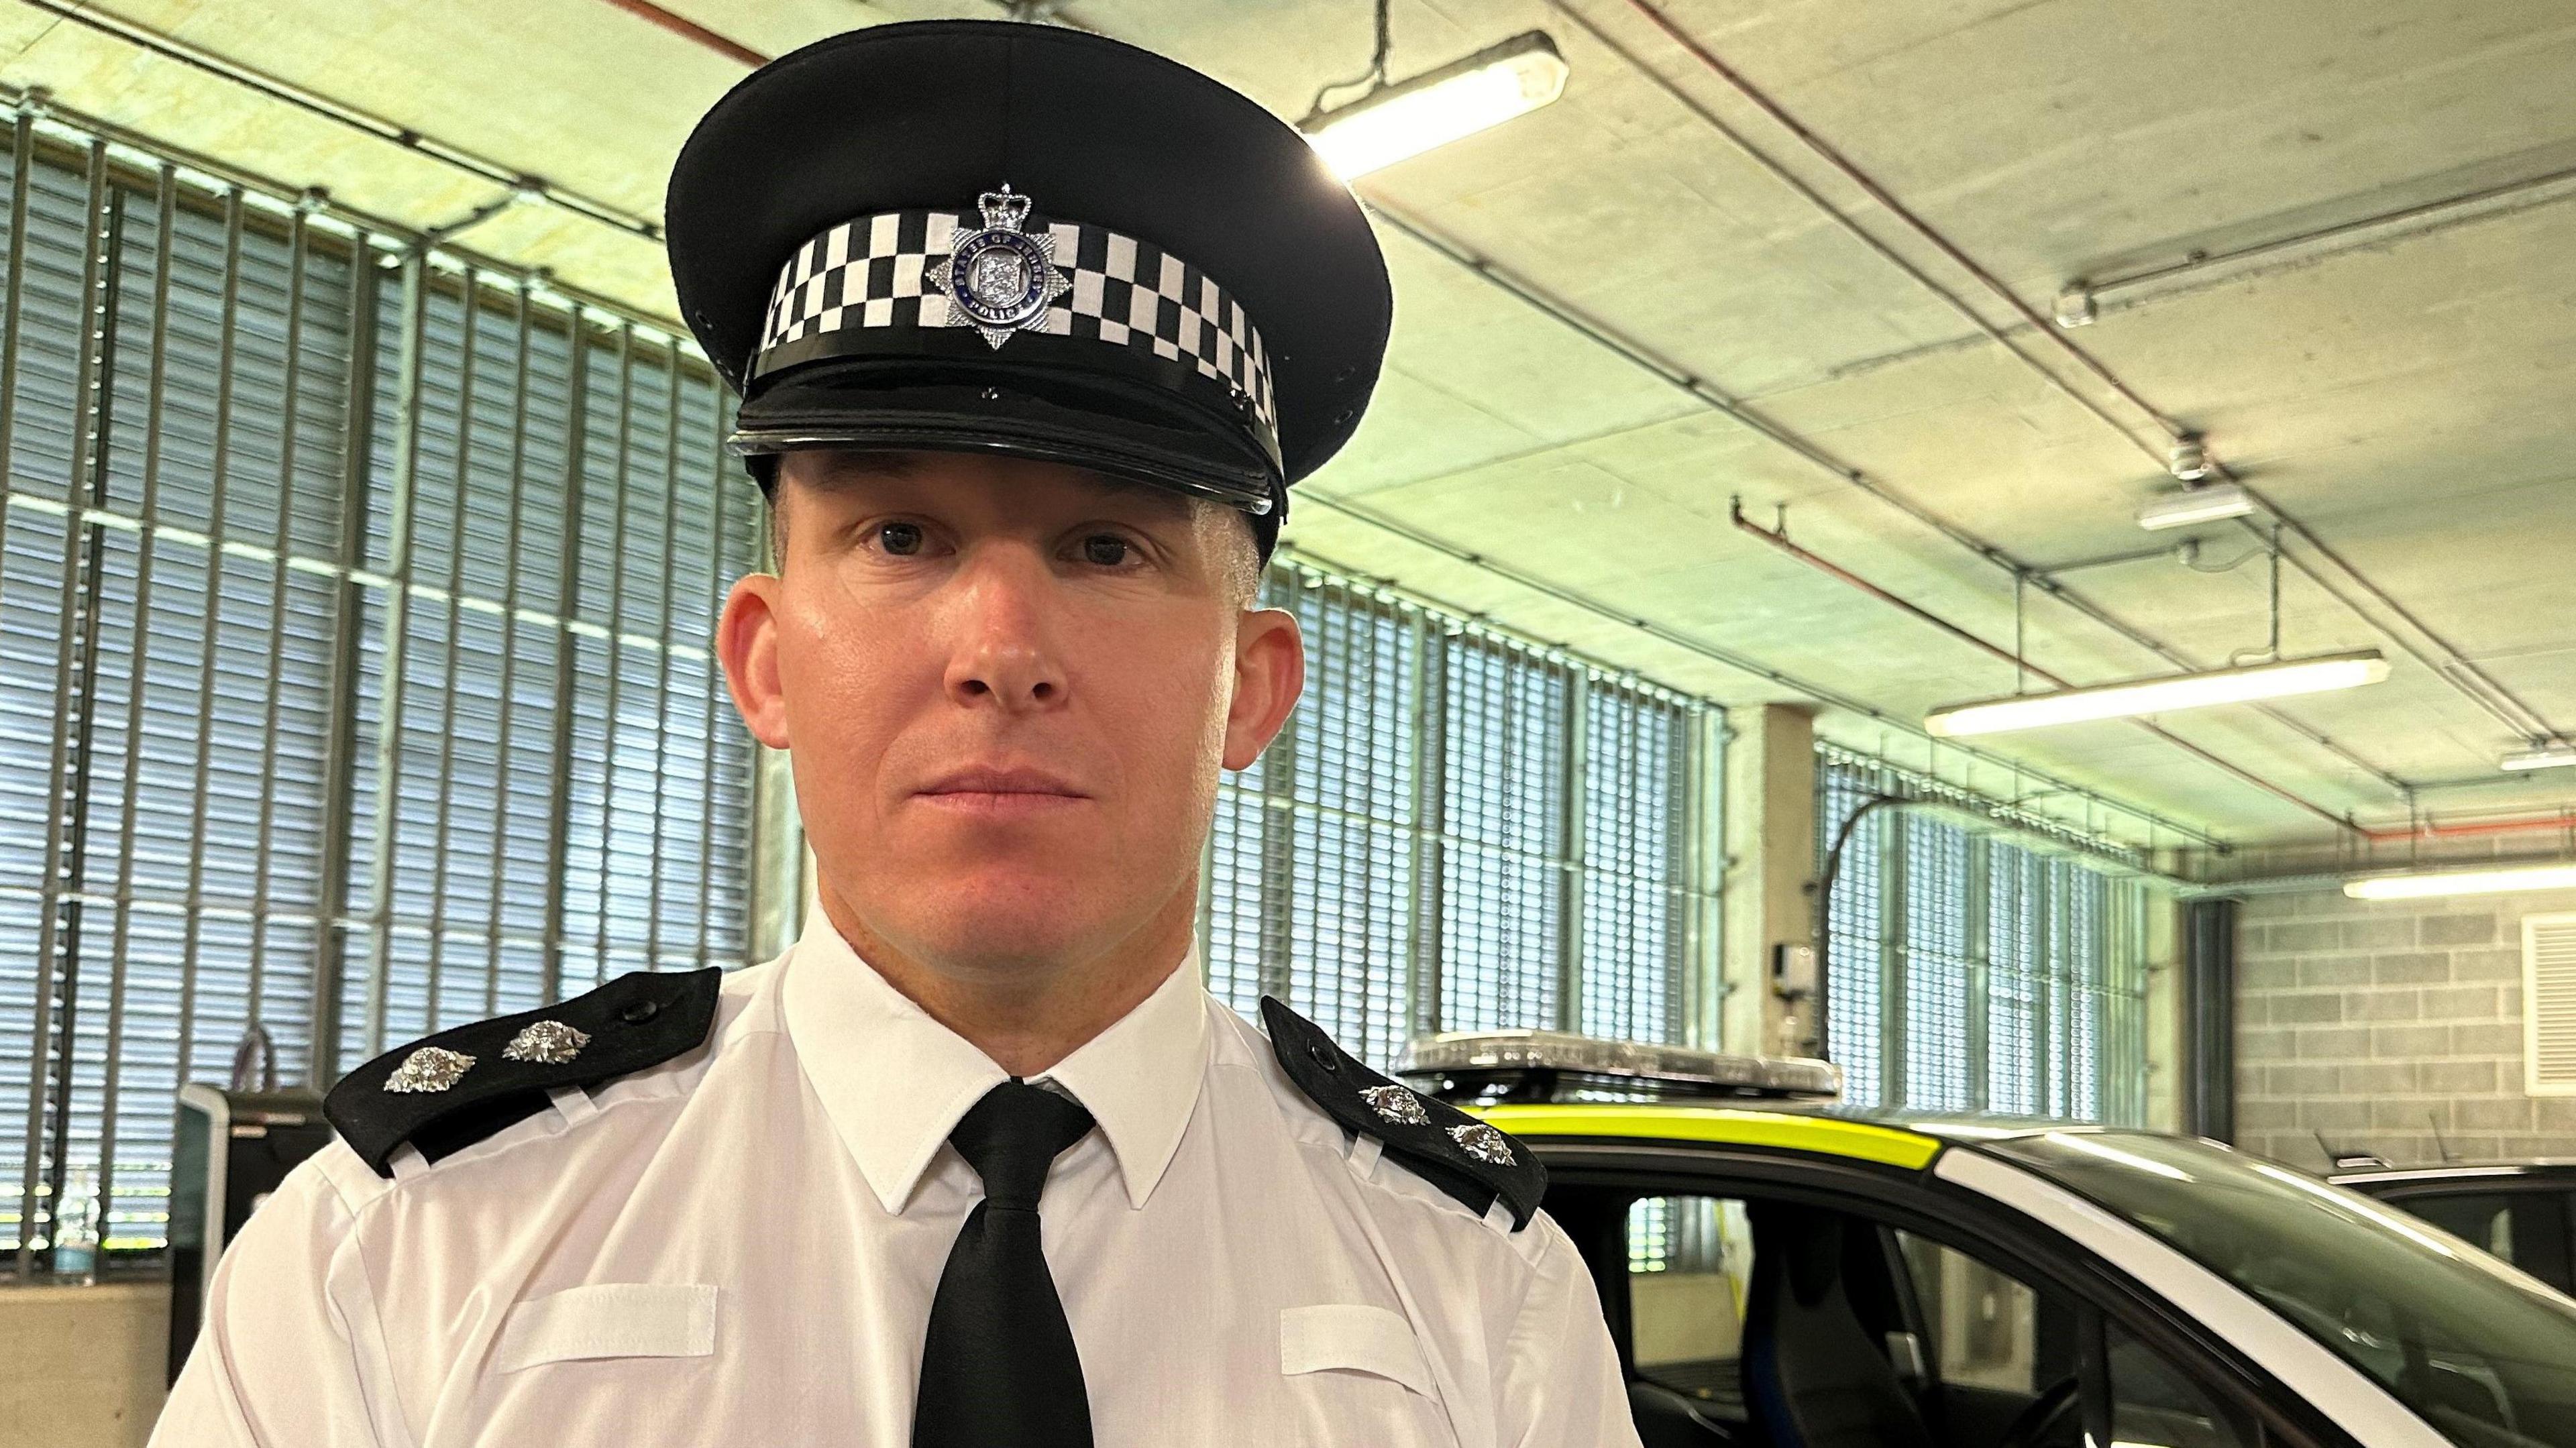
<point x="1032" y="1016"/>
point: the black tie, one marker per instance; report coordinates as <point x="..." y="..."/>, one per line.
<point x="998" y="1369"/>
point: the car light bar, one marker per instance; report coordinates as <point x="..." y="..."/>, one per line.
<point x="1676" y="1069"/>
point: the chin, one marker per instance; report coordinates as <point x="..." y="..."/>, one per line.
<point x="998" y="922"/>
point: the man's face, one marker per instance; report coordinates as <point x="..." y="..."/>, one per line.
<point x="1008" y="687"/>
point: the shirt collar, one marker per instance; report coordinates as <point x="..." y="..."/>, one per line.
<point x="894" y="1081"/>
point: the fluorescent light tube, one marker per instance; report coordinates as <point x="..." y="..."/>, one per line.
<point x="2196" y="505"/>
<point x="2462" y="882"/>
<point x="1411" y="117"/>
<point x="2547" y="756"/>
<point x="2157" y="696"/>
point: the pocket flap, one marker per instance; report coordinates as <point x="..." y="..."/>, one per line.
<point x="1353" y="1338"/>
<point x="610" y="1320"/>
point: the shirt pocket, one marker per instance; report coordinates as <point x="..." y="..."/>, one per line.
<point x="609" y="1320"/>
<point x="1341" y="1337"/>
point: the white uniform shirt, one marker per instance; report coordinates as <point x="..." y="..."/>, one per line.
<point x="740" y="1247"/>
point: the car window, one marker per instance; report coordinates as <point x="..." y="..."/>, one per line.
<point x="1689" y="1258"/>
<point x="1981" y="1354"/>
<point x="2527" y="1228"/>
<point x="2483" y="1219"/>
<point x="2154" y="1405"/>
<point x="1986" y="1329"/>
<point x="2483" y="1353"/>
<point x="1982" y="1325"/>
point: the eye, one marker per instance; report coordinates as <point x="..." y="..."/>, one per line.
<point x="1106" y="550"/>
<point x="900" y="539"/>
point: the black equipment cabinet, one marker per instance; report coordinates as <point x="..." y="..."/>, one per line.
<point x="230" y="1151"/>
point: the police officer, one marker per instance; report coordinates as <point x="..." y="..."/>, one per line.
<point x="1033" y="330"/>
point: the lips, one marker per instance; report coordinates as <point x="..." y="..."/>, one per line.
<point x="1001" y="788"/>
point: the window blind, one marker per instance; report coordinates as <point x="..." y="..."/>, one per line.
<point x="1457" y="831"/>
<point x="354" y="667"/>
<point x="1968" y="972"/>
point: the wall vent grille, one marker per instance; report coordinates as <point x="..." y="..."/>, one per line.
<point x="2549" y="1012"/>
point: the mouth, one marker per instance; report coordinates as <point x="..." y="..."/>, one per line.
<point x="1001" y="791"/>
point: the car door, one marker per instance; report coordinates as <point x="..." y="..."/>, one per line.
<point x="1941" y="1337"/>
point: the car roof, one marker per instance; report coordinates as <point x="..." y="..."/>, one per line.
<point x="2462" y="1172"/>
<point x="1893" y="1138"/>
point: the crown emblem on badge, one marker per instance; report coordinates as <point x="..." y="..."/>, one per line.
<point x="999" y="279"/>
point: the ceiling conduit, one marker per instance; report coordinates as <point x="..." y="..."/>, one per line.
<point x="2421" y="830"/>
<point x="1983" y="549"/>
<point x="1780" y="541"/>
<point x="1707" y="393"/>
<point x="1730" y="659"/>
<point x="171" y="47"/>
<point x="2444" y="659"/>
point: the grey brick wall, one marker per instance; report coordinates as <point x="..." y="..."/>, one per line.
<point x="2378" y="1025"/>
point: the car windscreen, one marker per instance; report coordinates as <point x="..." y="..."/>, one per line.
<point x="2484" y="1353"/>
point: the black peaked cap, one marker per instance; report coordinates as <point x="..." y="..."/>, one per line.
<point x="929" y="116"/>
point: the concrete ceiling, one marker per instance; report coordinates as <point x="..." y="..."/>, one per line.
<point x="2403" y="390"/>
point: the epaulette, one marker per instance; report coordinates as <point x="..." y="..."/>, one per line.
<point x="445" y="1092"/>
<point x="1476" y="1163"/>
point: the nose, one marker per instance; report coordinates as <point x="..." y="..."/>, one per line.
<point x="1006" y="620"/>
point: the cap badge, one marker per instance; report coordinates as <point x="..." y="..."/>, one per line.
<point x="1397" y="1105"/>
<point x="546" y="1043"/>
<point x="999" y="279"/>
<point x="430" y="1068"/>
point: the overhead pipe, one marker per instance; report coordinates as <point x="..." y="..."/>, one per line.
<point x="2381" y="835"/>
<point x="171" y="47"/>
<point x="2466" y="829"/>
<point x="2421" y="830"/>
<point x="1780" y="541"/>
<point x="2454" y="669"/>
<point x="1869" y="186"/>
<point x="37" y="101"/>
<point x="1717" y="654"/>
<point x="690" y="30"/>
<point x="1700" y="388"/>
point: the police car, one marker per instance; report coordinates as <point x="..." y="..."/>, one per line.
<point x="1782" y="1273"/>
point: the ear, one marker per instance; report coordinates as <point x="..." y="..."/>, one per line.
<point x="747" y="644"/>
<point x="1269" y="674"/>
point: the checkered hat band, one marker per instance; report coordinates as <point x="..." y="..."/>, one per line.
<point x="869" y="273"/>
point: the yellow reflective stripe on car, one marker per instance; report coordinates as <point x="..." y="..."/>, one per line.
<point x="1888" y="1145"/>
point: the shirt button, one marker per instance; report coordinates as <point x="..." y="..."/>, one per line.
<point x="1323" y="1055"/>
<point x="637" y="1013"/>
